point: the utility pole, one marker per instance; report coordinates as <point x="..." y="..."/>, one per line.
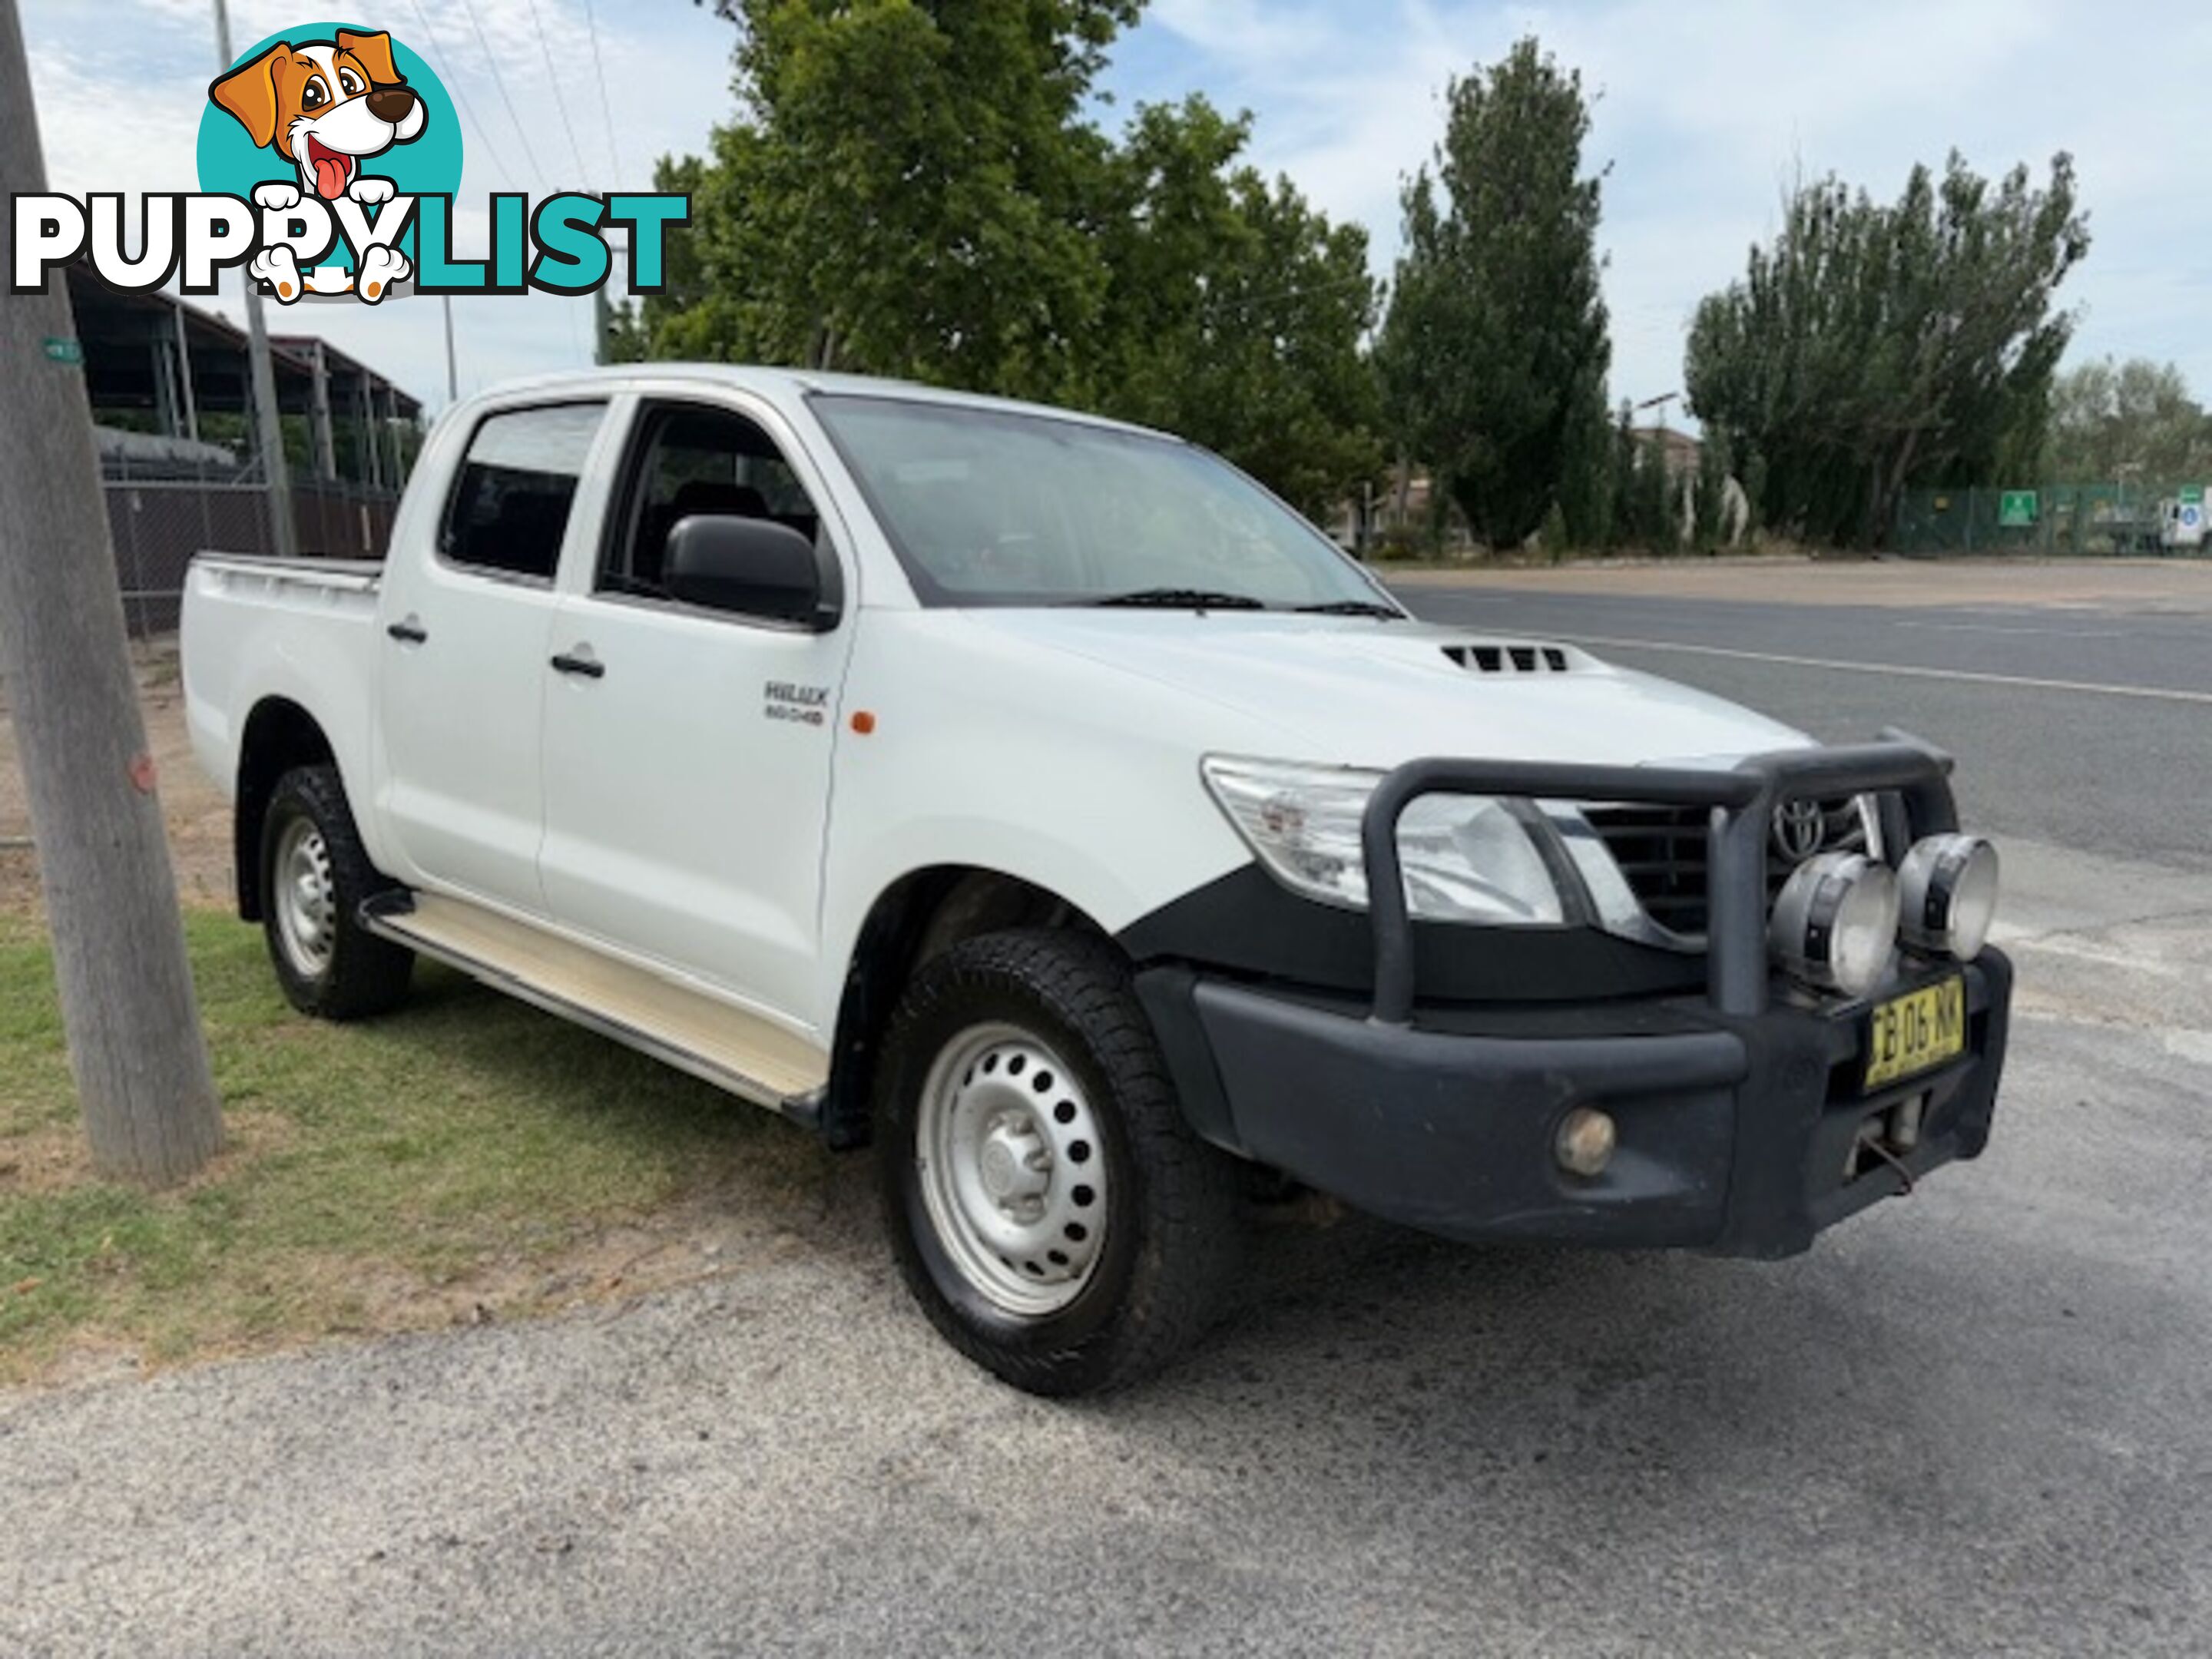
<point x="142" y="1082"/>
<point x="269" y="424"/>
<point x="452" y="367"/>
<point x="1660" y="404"/>
<point x="603" y="312"/>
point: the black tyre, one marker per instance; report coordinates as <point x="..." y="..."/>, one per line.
<point x="1051" y="1210"/>
<point x="314" y="877"/>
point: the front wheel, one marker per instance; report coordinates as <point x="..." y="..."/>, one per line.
<point x="1054" y="1215"/>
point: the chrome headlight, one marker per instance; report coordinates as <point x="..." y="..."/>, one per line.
<point x="1948" y="884"/>
<point x="1835" y="921"/>
<point x="1466" y="858"/>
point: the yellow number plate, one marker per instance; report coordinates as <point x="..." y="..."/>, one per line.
<point x="1915" y="1031"/>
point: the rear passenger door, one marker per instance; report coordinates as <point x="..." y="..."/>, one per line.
<point x="462" y="680"/>
<point x="687" y="776"/>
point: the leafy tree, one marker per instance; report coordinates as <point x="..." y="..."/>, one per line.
<point x="903" y="190"/>
<point x="1640" y="489"/>
<point x="1621" y="526"/>
<point x="1553" y="535"/>
<point x="1873" y="348"/>
<point x="1710" y="499"/>
<point x="1754" y="492"/>
<point x="2105" y="416"/>
<point x="1494" y="351"/>
<point x="1234" y="312"/>
<point x="914" y="188"/>
<point x="1657" y="526"/>
<point x="1585" y="494"/>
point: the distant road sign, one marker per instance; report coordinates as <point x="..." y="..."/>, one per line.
<point x="2016" y="509"/>
<point x="2192" y="495"/>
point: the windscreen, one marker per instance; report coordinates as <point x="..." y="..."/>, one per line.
<point x="986" y="508"/>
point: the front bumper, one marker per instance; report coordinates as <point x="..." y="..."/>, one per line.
<point x="1737" y="1134"/>
<point x="1743" y="1125"/>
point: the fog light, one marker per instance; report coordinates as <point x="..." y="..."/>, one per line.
<point x="1835" y="921"/>
<point x="1948" y="888"/>
<point x="1585" y="1141"/>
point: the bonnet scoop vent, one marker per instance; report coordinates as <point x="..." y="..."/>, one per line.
<point x="1503" y="657"/>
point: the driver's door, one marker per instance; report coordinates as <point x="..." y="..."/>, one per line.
<point x="687" y="775"/>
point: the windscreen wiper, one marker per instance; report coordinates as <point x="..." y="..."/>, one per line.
<point x="1354" y="608"/>
<point x="1181" y="598"/>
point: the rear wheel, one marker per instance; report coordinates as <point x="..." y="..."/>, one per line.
<point x="1052" y="1211"/>
<point x="315" y="875"/>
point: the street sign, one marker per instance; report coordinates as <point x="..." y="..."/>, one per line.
<point x="64" y="351"/>
<point x="2191" y="494"/>
<point x="2016" y="509"/>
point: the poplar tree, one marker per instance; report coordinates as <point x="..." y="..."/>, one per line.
<point x="1872" y="348"/>
<point x="1494" y="351"/>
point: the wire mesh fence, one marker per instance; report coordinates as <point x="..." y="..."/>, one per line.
<point x="2125" y="518"/>
<point x="161" y="512"/>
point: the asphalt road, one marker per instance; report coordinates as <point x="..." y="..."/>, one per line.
<point x="1975" y="1420"/>
<point x="2086" y="727"/>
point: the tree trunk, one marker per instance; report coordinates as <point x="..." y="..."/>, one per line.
<point x="134" y="1035"/>
<point x="1889" y="478"/>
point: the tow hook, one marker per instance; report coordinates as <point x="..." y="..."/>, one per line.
<point x="1887" y="1136"/>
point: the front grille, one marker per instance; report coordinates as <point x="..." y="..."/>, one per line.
<point x="1662" y="851"/>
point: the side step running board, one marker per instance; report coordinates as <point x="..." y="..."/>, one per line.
<point x="726" y="1046"/>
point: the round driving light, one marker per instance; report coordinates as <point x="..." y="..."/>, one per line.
<point x="1835" y="921"/>
<point x="1585" y="1141"/>
<point x="1948" y="888"/>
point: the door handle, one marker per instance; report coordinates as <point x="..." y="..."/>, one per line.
<point x="408" y="631"/>
<point x="579" y="661"/>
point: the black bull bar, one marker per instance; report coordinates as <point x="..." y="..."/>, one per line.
<point x="1911" y="778"/>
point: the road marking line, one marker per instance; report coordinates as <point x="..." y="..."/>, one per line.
<point x="1991" y="628"/>
<point x="2149" y="693"/>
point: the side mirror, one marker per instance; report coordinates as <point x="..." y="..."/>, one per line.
<point x="754" y="567"/>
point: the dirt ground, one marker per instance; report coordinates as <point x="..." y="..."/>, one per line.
<point x="199" y="818"/>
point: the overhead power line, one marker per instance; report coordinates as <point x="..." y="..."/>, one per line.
<point x="461" y="98"/>
<point x="491" y="62"/>
<point x="560" y="103"/>
<point x="606" y="108"/>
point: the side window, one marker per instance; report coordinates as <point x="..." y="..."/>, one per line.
<point x="691" y="459"/>
<point x="510" y="505"/>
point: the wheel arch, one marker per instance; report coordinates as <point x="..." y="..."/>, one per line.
<point x="918" y="916"/>
<point x="279" y="734"/>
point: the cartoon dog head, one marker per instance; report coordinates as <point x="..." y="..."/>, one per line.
<point x="325" y="106"/>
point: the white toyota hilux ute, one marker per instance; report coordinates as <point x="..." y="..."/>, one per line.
<point x="1040" y="799"/>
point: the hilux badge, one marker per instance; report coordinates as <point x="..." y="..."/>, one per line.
<point x="785" y="700"/>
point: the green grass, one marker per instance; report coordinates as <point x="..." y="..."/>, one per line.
<point x="464" y="1141"/>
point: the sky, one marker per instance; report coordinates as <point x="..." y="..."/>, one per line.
<point x="1705" y="113"/>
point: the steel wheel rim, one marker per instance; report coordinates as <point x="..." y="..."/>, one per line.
<point x="305" y="900"/>
<point x="1012" y="1168"/>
